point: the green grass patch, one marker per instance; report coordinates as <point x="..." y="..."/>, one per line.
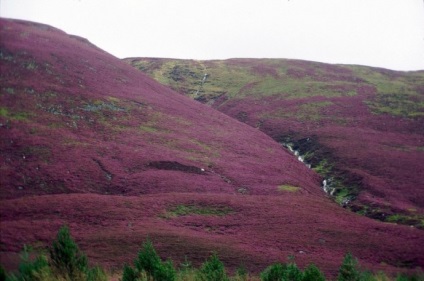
<point x="408" y="219"/>
<point x="148" y="129"/>
<point x="311" y="111"/>
<point x="236" y="80"/>
<point x="398" y="104"/>
<point x="342" y="194"/>
<point x="323" y="168"/>
<point x="19" y="116"/>
<point x="4" y="112"/>
<point x="396" y="93"/>
<point x="289" y="188"/>
<point x="187" y="210"/>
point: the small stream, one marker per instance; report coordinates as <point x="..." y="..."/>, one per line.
<point x="326" y="183"/>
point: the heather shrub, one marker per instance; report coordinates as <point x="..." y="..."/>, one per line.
<point x="212" y="270"/>
<point x="349" y="270"/>
<point x="312" y="273"/>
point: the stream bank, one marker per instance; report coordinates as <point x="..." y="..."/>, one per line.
<point x="340" y="185"/>
<point x="315" y="157"/>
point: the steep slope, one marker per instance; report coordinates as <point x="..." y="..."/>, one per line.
<point x="89" y="141"/>
<point x="361" y="128"/>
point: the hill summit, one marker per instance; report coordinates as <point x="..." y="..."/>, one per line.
<point x="360" y="128"/>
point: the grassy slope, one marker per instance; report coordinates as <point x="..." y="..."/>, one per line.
<point x="88" y="141"/>
<point x="365" y="123"/>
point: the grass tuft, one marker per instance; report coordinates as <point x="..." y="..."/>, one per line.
<point x="187" y="210"/>
<point x="289" y="188"/>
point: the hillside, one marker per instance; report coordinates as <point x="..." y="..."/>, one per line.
<point x="361" y="128"/>
<point x="88" y="141"/>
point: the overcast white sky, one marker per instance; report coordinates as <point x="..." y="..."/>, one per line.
<point x="384" y="33"/>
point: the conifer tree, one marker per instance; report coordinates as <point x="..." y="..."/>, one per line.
<point x="349" y="270"/>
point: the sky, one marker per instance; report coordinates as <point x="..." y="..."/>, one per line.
<point x="380" y="33"/>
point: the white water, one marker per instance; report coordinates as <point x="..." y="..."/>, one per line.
<point x="326" y="186"/>
<point x="326" y="183"/>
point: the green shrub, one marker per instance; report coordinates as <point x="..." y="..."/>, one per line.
<point x="2" y="273"/>
<point x="129" y="273"/>
<point x="282" y="272"/>
<point x="96" y="274"/>
<point x="147" y="259"/>
<point x="165" y="272"/>
<point x="274" y="272"/>
<point x="349" y="270"/>
<point x="212" y="270"/>
<point x="368" y="276"/>
<point x="417" y="277"/>
<point x="292" y="273"/>
<point x="67" y="257"/>
<point x="241" y="273"/>
<point x="34" y="270"/>
<point x="312" y="273"/>
<point x="150" y="263"/>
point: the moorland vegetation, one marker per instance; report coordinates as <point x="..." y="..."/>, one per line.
<point x="66" y="262"/>
<point x="89" y="141"/>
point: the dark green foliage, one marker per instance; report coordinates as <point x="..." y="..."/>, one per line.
<point x="242" y="273"/>
<point x="34" y="270"/>
<point x="66" y="256"/>
<point x="147" y="259"/>
<point x="212" y="270"/>
<point x="417" y="277"/>
<point x="2" y="273"/>
<point x="282" y="272"/>
<point x="349" y="270"/>
<point x="165" y="272"/>
<point x="67" y="262"/>
<point x="96" y="274"/>
<point x="402" y="278"/>
<point x="274" y="272"/>
<point x="149" y="262"/>
<point x="292" y="273"/>
<point x="367" y="276"/>
<point x="129" y="273"/>
<point x="312" y="273"/>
